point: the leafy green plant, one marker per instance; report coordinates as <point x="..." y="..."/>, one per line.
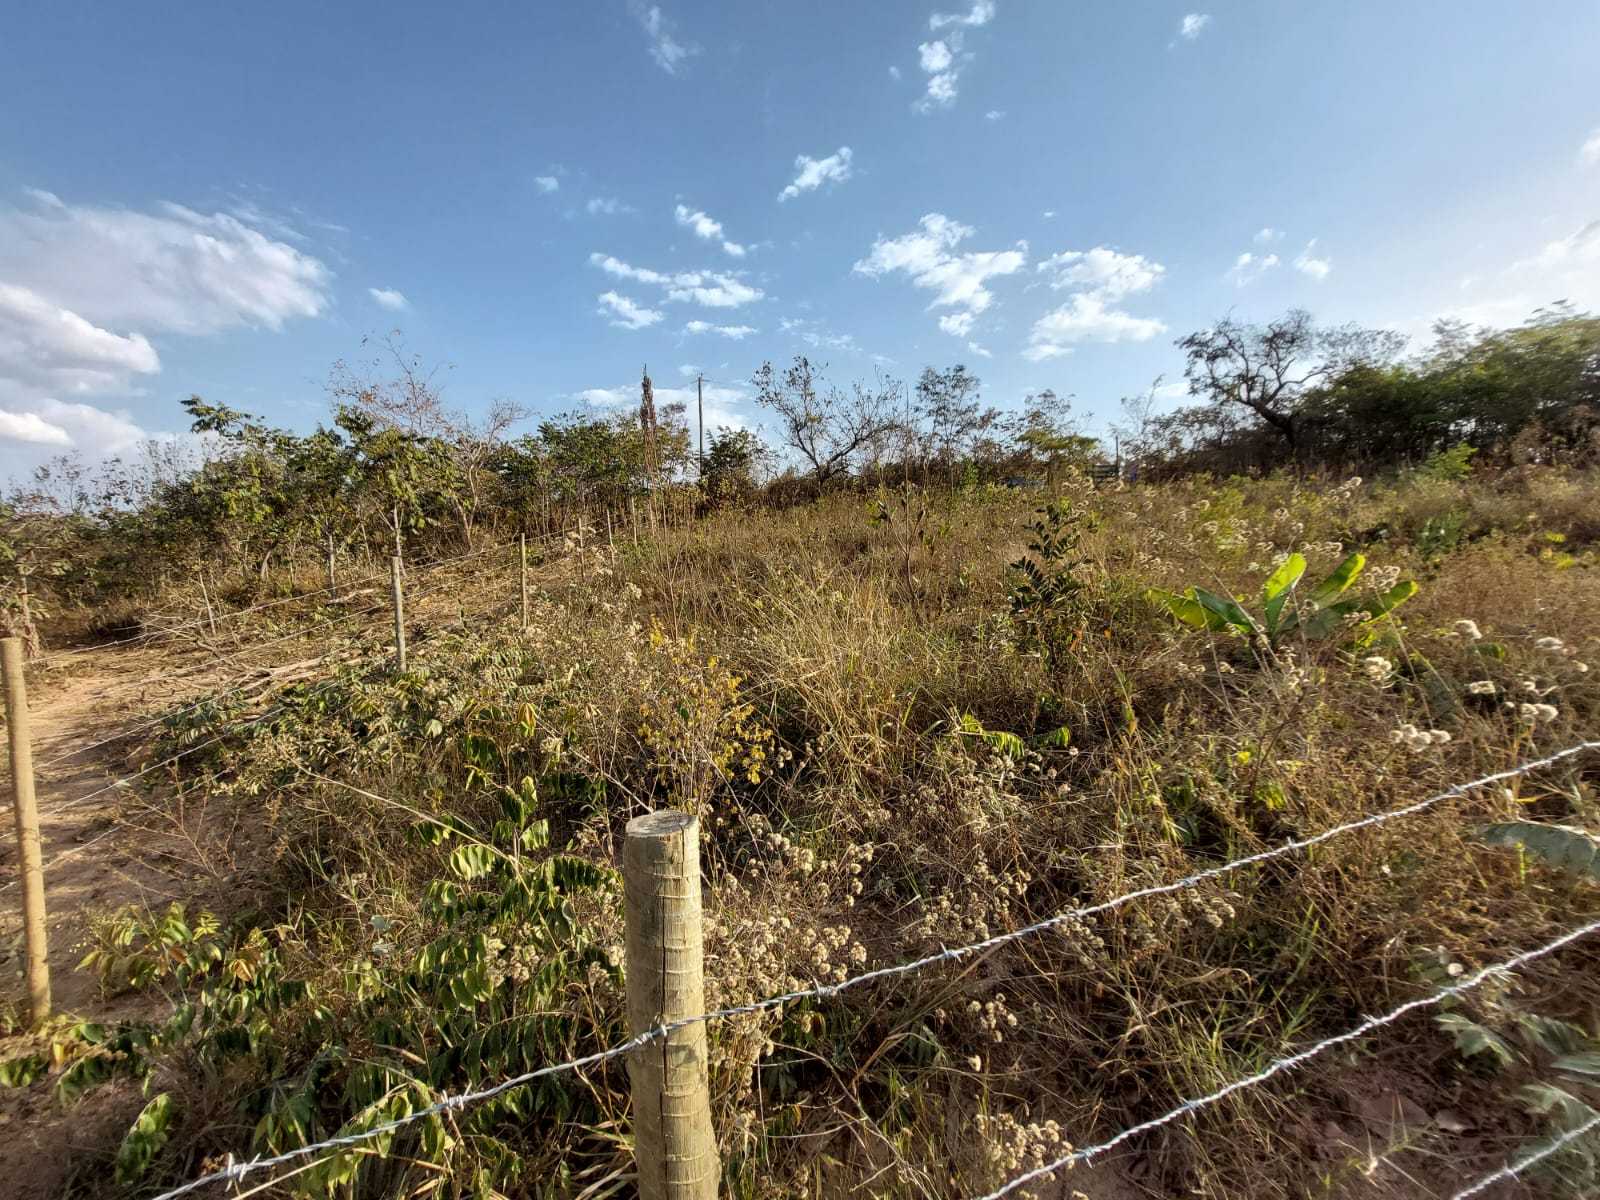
<point x="1048" y="598"/>
<point x="1450" y="465"/>
<point x="1559" y="846"/>
<point x="1319" y="612"/>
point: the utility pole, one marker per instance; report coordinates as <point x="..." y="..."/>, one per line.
<point x="25" y="809"/>
<point x="700" y="408"/>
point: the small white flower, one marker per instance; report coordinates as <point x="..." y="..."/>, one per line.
<point x="1468" y="630"/>
<point x="1377" y="667"/>
<point x="1438" y="736"/>
<point x="1550" y="643"/>
<point x="1481" y="687"/>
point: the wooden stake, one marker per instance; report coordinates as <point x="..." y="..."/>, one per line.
<point x="675" y="1149"/>
<point x="399" y="614"/>
<point x="26" y="810"/>
<point x="522" y="546"/>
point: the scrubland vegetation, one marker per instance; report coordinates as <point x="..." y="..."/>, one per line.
<point x="913" y="709"/>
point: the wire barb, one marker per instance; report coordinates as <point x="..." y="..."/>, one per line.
<point x="1513" y="1169"/>
<point x="823" y="991"/>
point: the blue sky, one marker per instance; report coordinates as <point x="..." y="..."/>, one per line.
<point x="546" y="197"/>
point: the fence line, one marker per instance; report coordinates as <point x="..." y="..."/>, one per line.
<point x="122" y="781"/>
<point x="1291" y="1062"/>
<point x="238" y="1171"/>
<point x="242" y="678"/>
<point x="1513" y="1169"/>
<point x="150" y="635"/>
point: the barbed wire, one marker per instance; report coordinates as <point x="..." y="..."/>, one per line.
<point x="199" y="622"/>
<point x="1292" y="1061"/>
<point x="243" y="679"/>
<point x="1513" y="1169"/>
<point x="239" y="1171"/>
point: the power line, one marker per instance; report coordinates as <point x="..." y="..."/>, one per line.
<point x="238" y="1171"/>
<point x="1291" y="1062"/>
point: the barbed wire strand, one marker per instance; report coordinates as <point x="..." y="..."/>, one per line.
<point x="239" y="1171"/>
<point x="152" y="634"/>
<point x="244" y="679"/>
<point x="1292" y="1061"/>
<point x="1513" y="1169"/>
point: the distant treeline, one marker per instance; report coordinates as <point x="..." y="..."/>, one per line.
<point x="396" y="470"/>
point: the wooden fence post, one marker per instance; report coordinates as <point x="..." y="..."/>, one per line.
<point x="675" y="1149"/>
<point x="399" y="613"/>
<point x="29" y="851"/>
<point x="522" y="546"/>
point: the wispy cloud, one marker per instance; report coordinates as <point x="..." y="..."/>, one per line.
<point x="981" y="13"/>
<point x="1310" y="264"/>
<point x="812" y="173"/>
<point x="737" y="332"/>
<point x="547" y="184"/>
<point x="1248" y="267"/>
<point x="709" y="289"/>
<point x="670" y="54"/>
<point x="394" y="301"/>
<point x="624" y="313"/>
<point x="607" y="206"/>
<point x="1589" y="152"/>
<point x="1266" y="235"/>
<point x="707" y="229"/>
<point x="1098" y="278"/>
<point x="928" y="257"/>
<point x="1193" y="25"/>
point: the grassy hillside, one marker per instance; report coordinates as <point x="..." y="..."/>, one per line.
<point x="897" y="740"/>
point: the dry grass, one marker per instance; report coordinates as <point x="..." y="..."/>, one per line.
<point x="870" y="827"/>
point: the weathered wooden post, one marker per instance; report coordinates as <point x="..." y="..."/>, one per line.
<point x="675" y="1148"/>
<point x="522" y="549"/>
<point x="399" y="613"/>
<point x="30" y="858"/>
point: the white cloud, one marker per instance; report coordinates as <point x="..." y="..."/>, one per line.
<point x="1589" y="152"/>
<point x="894" y="73"/>
<point x="607" y="206"/>
<point x="172" y="270"/>
<point x="46" y="348"/>
<point x="1308" y="264"/>
<point x="1192" y="25"/>
<point x="711" y="289"/>
<point x="625" y="314"/>
<point x="979" y="350"/>
<point x="941" y="92"/>
<point x="1248" y="267"/>
<point x="928" y="257"/>
<point x="957" y="324"/>
<point x="981" y="13"/>
<point x="1107" y="272"/>
<point x="812" y="173"/>
<point x="994" y="114"/>
<point x="707" y="229"/>
<point x="1086" y="317"/>
<point x="31" y="427"/>
<point x="665" y="48"/>
<point x="737" y="332"/>
<point x="1266" y="235"/>
<point x="1565" y="269"/>
<point x="394" y="301"/>
<point x="547" y="183"/>
<point x="813" y="334"/>
<point x="935" y="57"/>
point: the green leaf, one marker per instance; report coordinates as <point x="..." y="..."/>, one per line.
<point x="1580" y="1064"/>
<point x="1059" y="738"/>
<point x="1228" y="611"/>
<point x="473" y="860"/>
<point x="1275" y="591"/>
<point x="1185" y="608"/>
<point x="1335" y="585"/>
<point x="1008" y="744"/>
<point x="1556" y="845"/>
<point x="144" y="1139"/>
<point x="20" y="1072"/>
<point x="1473" y="1039"/>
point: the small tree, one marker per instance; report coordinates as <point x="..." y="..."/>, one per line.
<point x="825" y="426"/>
<point x="732" y="464"/>
<point x="1267" y="370"/>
